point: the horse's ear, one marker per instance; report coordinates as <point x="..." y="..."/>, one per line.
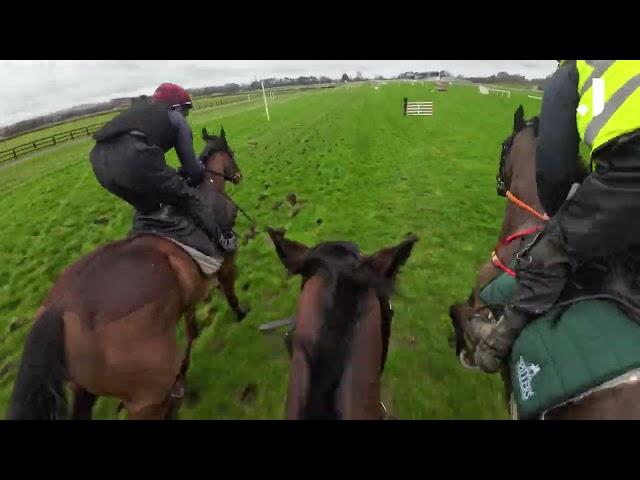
<point x="388" y="261"/>
<point x="205" y="134"/>
<point x="289" y="252"/>
<point x="536" y="125"/>
<point x="518" y="119"/>
<point x="222" y="131"/>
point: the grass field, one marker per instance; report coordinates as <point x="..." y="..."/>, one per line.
<point x="364" y="173"/>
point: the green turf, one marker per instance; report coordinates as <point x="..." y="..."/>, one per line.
<point x="363" y="172"/>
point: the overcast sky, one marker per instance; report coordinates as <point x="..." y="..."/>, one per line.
<point x="34" y="87"/>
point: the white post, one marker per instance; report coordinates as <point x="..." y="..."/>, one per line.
<point x="248" y="97"/>
<point x="264" y="95"/>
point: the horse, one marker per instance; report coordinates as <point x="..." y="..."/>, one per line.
<point x="340" y="341"/>
<point x="107" y="327"/>
<point x="524" y="215"/>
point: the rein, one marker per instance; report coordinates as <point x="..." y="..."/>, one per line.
<point x="514" y="236"/>
<point x="383" y="411"/>
<point x="226" y="177"/>
<point x="230" y="179"/>
<point x="542" y="216"/>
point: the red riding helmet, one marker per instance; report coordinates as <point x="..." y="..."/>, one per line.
<point x="173" y="94"/>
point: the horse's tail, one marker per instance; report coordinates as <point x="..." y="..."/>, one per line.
<point x="38" y="390"/>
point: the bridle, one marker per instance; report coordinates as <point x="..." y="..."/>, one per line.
<point x="503" y="191"/>
<point x="501" y="184"/>
<point x="235" y="179"/>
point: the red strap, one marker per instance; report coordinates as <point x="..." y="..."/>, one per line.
<point x="510" y="238"/>
<point x="498" y="263"/>
<point x="520" y="234"/>
<point x="524" y="206"/>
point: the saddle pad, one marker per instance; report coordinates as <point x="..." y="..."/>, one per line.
<point x="208" y="265"/>
<point x="568" y="351"/>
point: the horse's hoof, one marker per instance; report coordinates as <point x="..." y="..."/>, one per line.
<point x="241" y="313"/>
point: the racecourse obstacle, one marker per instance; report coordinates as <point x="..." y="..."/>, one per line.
<point x="417" y="108"/>
<point x="486" y="91"/>
<point x="501" y="92"/>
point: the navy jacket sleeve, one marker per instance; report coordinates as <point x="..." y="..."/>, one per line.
<point x="184" y="147"/>
<point x="558" y="142"/>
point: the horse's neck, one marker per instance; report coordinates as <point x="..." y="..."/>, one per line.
<point x="516" y="220"/>
<point x="215" y="182"/>
<point x="524" y="187"/>
<point x="359" y="392"/>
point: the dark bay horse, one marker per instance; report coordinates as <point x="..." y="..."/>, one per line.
<point x="524" y="215"/>
<point x="343" y="324"/>
<point x="108" y="325"/>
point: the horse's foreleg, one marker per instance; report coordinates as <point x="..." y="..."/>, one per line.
<point x="83" y="402"/>
<point x="227" y="279"/>
<point x="191" y="332"/>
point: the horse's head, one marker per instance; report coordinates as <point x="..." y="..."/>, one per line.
<point x="218" y="158"/>
<point x="521" y="143"/>
<point x="343" y="324"/>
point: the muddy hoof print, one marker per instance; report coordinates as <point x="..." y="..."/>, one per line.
<point x="294" y="211"/>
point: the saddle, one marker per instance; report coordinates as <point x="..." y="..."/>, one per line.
<point x="615" y="278"/>
<point x="172" y="224"/>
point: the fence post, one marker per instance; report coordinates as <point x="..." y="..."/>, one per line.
<point x="14" y="153"/>
<point x="405" y="105"/>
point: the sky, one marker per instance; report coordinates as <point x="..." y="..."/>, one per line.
<point x="29" y="88"/>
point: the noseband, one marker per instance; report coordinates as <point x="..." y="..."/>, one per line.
<point x="235" y="179"/>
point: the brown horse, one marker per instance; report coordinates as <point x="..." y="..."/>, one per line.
<point x="524" y="215"/>
<point x="343" y="324"/>
<point x="108" y="325"/>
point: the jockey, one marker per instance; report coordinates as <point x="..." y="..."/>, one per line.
<point x="128" y="160"/>
<point x="601" y="217"/>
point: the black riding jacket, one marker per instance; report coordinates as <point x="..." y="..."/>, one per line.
<point x="558" y="141"/>
<point x="163" y="127"/>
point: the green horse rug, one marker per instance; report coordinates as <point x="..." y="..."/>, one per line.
<point x="587" y="344"/>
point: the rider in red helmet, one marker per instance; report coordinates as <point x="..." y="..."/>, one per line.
<point x="128" y="160"/>
<point x="174" y="95"/>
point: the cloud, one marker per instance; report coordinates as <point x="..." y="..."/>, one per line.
<point x="35" y="87"/>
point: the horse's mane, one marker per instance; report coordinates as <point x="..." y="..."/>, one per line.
<point x="533" y="122"/>
<point x="582" y="170"/>
<point x="349" y="281"/>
